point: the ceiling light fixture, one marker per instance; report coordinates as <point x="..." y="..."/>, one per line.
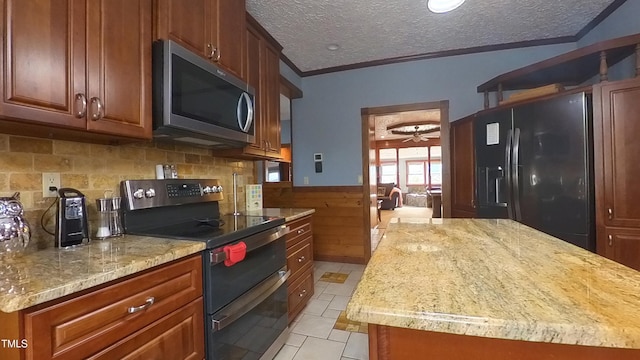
<point x="443" y="6"/>
<point x="334" y="47"/>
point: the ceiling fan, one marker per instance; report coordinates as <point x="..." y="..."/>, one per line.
<point x="417" y="135"/>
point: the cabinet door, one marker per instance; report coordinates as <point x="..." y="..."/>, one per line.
<point x="622" y="245"/>
<point x="462" y="165"/>
<point x="186" y="22"/>
<point x="616" y="129"/>
<point x="253" y="79"/>
<point x="271" y="99"/>
<point x="231" y="23"/>
<point x="177" y="336"/>
<point x="119" y="67"/>
<point x="43" y="61"/>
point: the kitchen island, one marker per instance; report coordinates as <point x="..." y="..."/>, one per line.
<point x="493" y="289"/>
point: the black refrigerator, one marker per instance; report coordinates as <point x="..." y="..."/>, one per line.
<point x="535" y="165"/>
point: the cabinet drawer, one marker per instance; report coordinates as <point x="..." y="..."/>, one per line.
<point x="299" y="293"/>
<point x="299" y="257"/>
<point x="177" y="336"/>
<point x="298" y="230"/>
<point x="76" y="328"/>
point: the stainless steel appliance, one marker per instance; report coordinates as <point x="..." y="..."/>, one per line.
<point x="195" y="101"/>
<point x="244" y="265"/>
<point x="535" y="165"/>
<point x="71" y="218"/>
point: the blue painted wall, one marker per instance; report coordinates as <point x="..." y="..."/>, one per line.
<point x="327" y="119"/>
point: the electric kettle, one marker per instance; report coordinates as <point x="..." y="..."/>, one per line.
<point x="71" y="218"/>
<point x="15" y="232"/>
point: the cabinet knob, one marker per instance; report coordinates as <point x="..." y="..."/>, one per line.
<point x="301" y="259"/>
<point x="610" y="213"/>
<point x="300" y="231"/>
<point x="96" y="115"/>
<point x="302" y="293"/>
<point x="610" y="237"/>
<point x="80" y="106"/>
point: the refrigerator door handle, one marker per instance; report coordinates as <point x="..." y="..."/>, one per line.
<point x="515" y="161"/>
<point x="507" y="172"/>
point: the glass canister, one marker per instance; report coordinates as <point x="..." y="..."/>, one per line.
<point x="15" y="232"/>
<point x="104" y="214"/>
<point x="115" y="223"/>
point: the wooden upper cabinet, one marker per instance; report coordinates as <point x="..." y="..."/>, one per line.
<point x="462" y="166"/>
<point x="78" y="64"/>
<point x="231" y="24"/>
<point x="43" y="61"/>
<point x="119" y="67"/>
<point x="271" y="100"/>
<point x="262" y="71"/>
<point x="214" y="29"/>
<point x="617" y="170"/>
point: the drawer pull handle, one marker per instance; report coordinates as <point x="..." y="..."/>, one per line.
<point x="300" y="231"/>
<point x="304" y="291"/>
<point x="135" y="309"/>
<point x="610" y="213"/>
<point x="610" y="237"/>
<point x="301" y="259"/>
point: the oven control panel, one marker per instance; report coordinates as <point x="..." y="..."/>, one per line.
<point x="142" y="194"/>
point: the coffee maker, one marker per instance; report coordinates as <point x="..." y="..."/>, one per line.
<point x="71" y="218"/>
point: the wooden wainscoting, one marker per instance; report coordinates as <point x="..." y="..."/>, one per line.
<point x="340" y="232"/>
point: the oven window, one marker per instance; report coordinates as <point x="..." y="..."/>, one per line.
<point x="252" y="334"/>
<point x="223" y="283"/>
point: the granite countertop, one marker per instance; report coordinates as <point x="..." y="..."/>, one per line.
<point x="35" y="277"/>
<point x="497" y="279"/>
<point x="289" y="214"/>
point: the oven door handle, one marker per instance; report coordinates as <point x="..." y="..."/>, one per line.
<point x="232" y="312"/>
<point x="253" y="242"/>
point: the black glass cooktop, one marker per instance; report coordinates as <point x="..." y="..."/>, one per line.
<point x="215" y="231"/>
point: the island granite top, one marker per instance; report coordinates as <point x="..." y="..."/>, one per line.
<point x="497" y="279"/>
<point x="35" y="277"/>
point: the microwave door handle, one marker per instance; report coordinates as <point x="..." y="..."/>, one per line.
<point x="249" y="119"/>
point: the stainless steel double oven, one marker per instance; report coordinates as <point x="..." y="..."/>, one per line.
<point x="244" y="265"/>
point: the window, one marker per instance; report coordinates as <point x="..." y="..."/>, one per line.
<point x="435" y="173"/>
<point x="416" y="173"/>
<point x="388" y="172"/>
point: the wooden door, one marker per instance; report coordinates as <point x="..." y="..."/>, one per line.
<point x="229" y="31"/>
<point x="271" y="87"/>
<point x="462" y="167"/>
<point x="253" y="79"/>
<point x="187" y="22"/>
<point x="43" y="61"/>
<point x="119" y="67"/>
<point x="622" y="245"/>
<point x="616" y="135"/>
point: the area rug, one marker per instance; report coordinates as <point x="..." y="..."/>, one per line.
<point x="333" y="277"/>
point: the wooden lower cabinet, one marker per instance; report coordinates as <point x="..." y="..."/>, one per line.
<point x="392" y="343"/>
<point x="299" y="242"/>
<point x="154" y="315"/>
<point x="621" y="245"/>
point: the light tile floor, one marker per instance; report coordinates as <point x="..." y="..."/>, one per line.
<point x="312" y="334"/>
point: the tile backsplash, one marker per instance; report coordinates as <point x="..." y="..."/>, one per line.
<point x="94" y="169"/>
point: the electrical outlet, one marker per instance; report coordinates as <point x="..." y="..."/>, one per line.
<point x="50" y="180"/>
<point x="306" y="180"/>
<point x="360" y="179"/>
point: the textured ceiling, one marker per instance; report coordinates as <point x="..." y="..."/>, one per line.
<point x="371" y="30"/>
<point x="413" y="117"/>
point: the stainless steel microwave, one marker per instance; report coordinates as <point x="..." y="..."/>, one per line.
<point x="195" y="101"/>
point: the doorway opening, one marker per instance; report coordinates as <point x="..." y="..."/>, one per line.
<point x="407" y="146"/>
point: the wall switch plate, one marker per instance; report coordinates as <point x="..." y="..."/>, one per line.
<point x="306" y="180"/>
<point x="360" y="179"/>
<point x="50" y="180"/>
